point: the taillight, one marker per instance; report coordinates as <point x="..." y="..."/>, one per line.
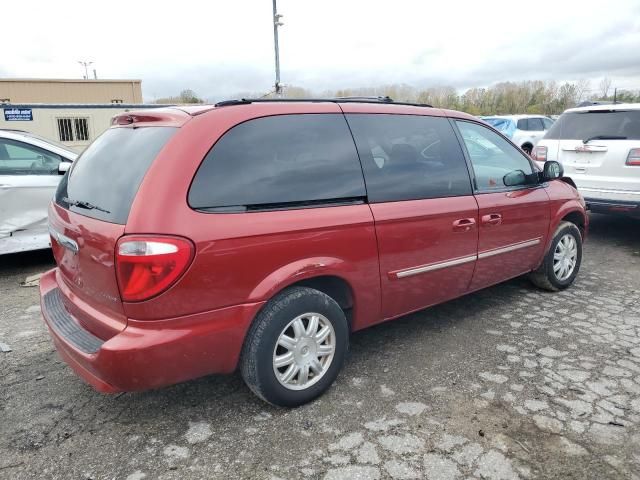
<point x="147" y="266"/>
<point x="633" y="158"/>
<point x="540" y="153"/>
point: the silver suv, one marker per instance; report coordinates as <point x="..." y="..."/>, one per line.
<point x="599" y="147"/>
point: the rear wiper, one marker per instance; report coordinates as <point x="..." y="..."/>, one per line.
<point x="604" y="137"/>
<point x="83" y="204"/>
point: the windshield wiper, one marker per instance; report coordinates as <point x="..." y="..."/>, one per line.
<point x="83" y="204"/>
<point x="604" y="137"/>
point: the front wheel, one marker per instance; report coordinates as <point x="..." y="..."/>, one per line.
<point x="295" y="347"/>
<point x="562" y="262"/>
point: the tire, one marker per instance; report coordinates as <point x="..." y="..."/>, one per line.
<point x="280" y="317"/>
<point x="549" y="278"/>
<point x="527" y="149"/>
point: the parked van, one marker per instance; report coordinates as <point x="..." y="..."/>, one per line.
<point x="260" y="234"/>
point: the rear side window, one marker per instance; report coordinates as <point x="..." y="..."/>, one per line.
<point x="606" y="124"/>
<point x="103" y="181"/>
<point x="523" y="124"/>
<point x="536" y="125"/>
<point x="284" y="161"/>
<point x="407" y="157"/>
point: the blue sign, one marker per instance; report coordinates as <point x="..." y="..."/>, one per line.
<point x="18" y="115"/>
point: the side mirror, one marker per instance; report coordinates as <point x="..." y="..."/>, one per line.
<point x="63" y="167"/>
<point x="512" y="179"/>
<point x="552" y="170"/>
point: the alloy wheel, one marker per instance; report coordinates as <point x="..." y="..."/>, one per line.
<point x="565" y="257"/>
<point x="304" y="351"/>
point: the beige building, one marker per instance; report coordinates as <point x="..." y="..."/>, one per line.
<point x="42" y="90"/>
<point x="73" y="125"/>
<point x="71" y="112"/>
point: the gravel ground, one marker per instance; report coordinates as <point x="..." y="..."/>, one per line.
<point x="507" y="383"/>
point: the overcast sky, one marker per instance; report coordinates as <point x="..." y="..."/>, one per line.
<point x="222" y="47"/>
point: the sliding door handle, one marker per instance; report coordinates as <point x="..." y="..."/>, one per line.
<point x="492" y="219"/>
<point x="464" y="224"/>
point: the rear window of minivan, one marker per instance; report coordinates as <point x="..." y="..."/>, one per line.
<point x="616" y="124"/>
<point x="104" y="180"/>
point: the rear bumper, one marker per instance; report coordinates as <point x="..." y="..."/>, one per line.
<point x="598" y="205"/>
<point x="147" y="354"/>
<point x="601" y="200"/>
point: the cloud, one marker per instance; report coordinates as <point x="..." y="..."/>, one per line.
<point x="219" y="49"/>
<point x="208" y="81"/>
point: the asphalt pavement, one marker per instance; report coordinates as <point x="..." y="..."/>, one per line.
<point x="510" y="382"/>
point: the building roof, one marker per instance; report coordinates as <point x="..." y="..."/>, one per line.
<point x="70" y="80"/>
<point x="118" y="106"/>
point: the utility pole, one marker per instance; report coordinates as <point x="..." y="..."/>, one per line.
<point x="86" y="68"/>
<point x="277" y="23"/>
<point x="615" y="95"/>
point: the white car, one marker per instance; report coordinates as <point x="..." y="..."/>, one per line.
<point x="523" y="130"/>
<point x="599" y="147"/>
<point x="30" y="170"/>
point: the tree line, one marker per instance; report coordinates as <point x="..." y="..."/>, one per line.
<point x="185" y="96"/>
<point x="532" y="96"/>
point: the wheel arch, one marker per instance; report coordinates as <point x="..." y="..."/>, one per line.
<point x="334" y="286"/>
<point x="324" y="274"/>
<point x="578" y="219"/>
<point x="571" y="211"/>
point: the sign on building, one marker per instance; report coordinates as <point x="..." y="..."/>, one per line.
<point x="18" y="115"/>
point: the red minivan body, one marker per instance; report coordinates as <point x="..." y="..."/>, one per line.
<point x="121" y="331"/>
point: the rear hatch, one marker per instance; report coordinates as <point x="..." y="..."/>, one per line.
<point x="594" y="145"/>
<point x="88" y="216"/>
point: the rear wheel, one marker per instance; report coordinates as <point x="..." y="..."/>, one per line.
<point x="295" y="347"/>
<point x="562" y="262"/>
<point x="527" y="148"/>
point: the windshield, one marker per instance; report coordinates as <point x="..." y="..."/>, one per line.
<point x="104" y="180"/>
<point x="506" y="126"/>
<point x="620" y="125"/>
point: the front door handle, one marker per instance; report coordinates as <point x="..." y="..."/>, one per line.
<point x="492" y="219"/>
<point x="464" y="224"/>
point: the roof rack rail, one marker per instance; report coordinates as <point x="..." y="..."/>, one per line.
<point x="360" y="98"/>
<point x="226" y="103"/>
<point x="385" y="100"/>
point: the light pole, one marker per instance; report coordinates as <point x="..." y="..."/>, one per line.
<point x="86" y="66"/>
<point x="277" y="23"/>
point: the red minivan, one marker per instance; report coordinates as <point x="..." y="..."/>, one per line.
<point x="258" y="235"/>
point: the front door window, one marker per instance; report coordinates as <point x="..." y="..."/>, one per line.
<point x="492" y="157"/>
